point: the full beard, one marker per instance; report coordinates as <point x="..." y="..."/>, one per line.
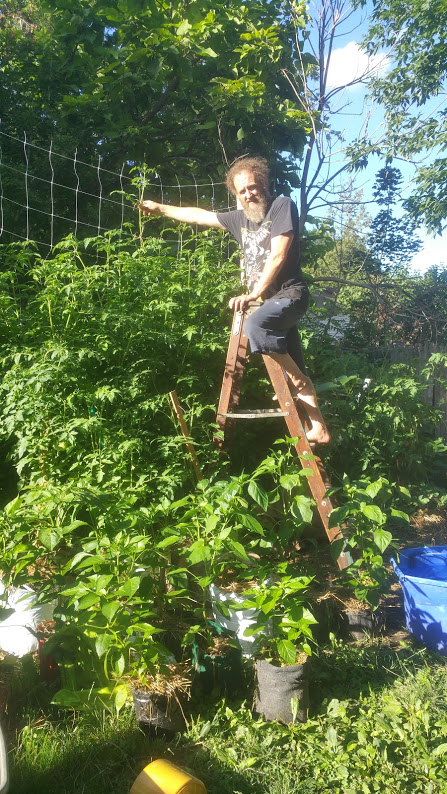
<point x="258" y="212"/>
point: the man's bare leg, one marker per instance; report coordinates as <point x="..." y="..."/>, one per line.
<point x="301" y="387"/>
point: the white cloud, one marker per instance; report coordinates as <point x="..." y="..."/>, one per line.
<point x="350" y="62"/>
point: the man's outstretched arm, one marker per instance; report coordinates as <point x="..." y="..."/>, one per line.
<point x="184" y="214"/>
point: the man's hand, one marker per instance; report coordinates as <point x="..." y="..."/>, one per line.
<point x="240" y="302"/>
<point x="149" y="208"/>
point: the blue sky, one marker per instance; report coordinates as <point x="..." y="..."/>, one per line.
<point x="347" y="62"/>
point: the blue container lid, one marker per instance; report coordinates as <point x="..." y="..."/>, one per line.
<point x="426" y="564"/>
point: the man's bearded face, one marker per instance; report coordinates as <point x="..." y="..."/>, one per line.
<point x="252" y="196"/>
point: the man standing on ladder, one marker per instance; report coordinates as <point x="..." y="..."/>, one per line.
<point x="267" y="231"/>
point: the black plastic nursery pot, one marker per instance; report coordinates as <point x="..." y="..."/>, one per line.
<point x="220" y="673"/>
<point x="278" y="687"/>
<point x="48" y="667"/>
<point x="359" y="622"/>
<point x="159" y="713"/>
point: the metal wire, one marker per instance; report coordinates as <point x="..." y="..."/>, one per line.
<point x="53" y="214"/>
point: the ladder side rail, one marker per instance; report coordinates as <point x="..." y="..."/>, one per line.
<point x="318" y="481"/>
<point x="232" y="378"/>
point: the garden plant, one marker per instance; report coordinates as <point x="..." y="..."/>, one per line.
<point x="101" y="512"/>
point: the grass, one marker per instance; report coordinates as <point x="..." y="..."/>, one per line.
<point x="378" y="723"/>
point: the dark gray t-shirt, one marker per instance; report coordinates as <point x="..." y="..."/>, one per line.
<point x="255" y="241"/>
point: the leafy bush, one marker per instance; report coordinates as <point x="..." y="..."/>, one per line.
<point x="381" y="423"/>
<point x="90" y="348"/>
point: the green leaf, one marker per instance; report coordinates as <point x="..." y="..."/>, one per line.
<point x="130" y="587"/>
<point x="373" y="488"/>
<point x="225" y="532"/>
<point x="100" y="581"/>
<point x="102" y="644"/>
<point x="83" y="698"/>
<point x="211" y="523"/>
<point x="198" y="552"/>
<point x="373" y="513"/>
<point x="170" y="541"/>
<point x="304" y="505"/>
<point x="289" y="481"/>
<point x="208" y="51"/>
<point x="145" y="628"/>
<point x="331" y="737"/>
<point x="73" y="525"/>
<point x="286" y="651"/>
<point x="336" y="548"/>
<point x="258" y="494"/>
<point x="382" y="538"/>
<point x="76" y="590"/>
<point x="247" y="763"/>
<point x="189" y="332"/>
<point x="338" y="515"/>
<point x="121" y="695"/>
<point x="400" y="514"/>
<point x="68" y="698"/>
<point x="50" y="537"/>
<point x="110" y="609"/>
<point x="119" y="664"/>
<point x="250" y="522"/>
<point x="76" y="559"/>
<point x="13" y="506"/>
<point x="183" y="28"/>
<point x="88" y="601"/>
<point x="239" y="549"/>
<point x="441" y="749"/>
<point x="294" y="707"/>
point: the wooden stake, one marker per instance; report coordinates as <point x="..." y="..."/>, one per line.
<point x="185" y="432"/>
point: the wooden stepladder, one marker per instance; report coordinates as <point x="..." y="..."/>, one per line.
<point x="228" y="412"/>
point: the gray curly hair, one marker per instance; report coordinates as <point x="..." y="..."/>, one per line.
<point x="259" y="167"/>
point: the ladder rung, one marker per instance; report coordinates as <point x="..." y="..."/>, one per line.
<point x="256" y="413"/>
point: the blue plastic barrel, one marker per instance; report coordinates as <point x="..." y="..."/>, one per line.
<point x="422" y="573"/>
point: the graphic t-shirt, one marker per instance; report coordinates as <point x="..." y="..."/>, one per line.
<point x="255" y="241"/>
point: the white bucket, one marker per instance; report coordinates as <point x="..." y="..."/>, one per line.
<point x="16" y="631"/>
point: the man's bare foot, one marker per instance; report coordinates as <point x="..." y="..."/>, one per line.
<point x="302" y="389"/>
<point x="318" y="434"/>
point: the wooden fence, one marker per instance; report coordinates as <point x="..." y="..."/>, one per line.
<point x="417" y="356"/>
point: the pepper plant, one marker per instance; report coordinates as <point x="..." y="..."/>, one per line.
<point x="284" y="620"/>
<point x="367" y="516"/>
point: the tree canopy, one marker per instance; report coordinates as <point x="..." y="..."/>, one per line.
<point x="184" y="86"/>
<point x="413" y="94"/>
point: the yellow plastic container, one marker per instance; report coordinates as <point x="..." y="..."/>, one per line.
<point x="162" y="777"/>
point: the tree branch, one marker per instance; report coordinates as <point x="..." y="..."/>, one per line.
<point x="162" y="101"/>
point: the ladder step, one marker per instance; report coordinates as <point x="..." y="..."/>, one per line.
<point x="256" y="413"/>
